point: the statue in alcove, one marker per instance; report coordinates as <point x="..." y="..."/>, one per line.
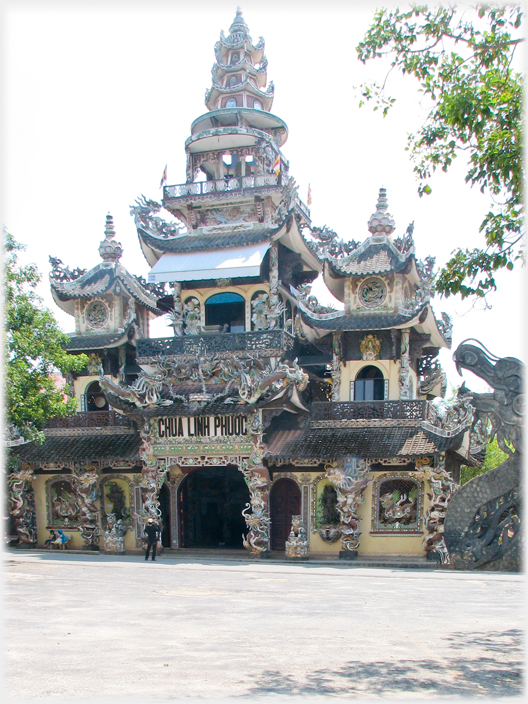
<point x="329" y="519"/>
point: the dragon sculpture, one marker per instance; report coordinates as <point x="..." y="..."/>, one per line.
<point x="483" y="519"/>
<point x="22" y="506"/>
<point x="251" y="378"/>
<point x="349" y="497"/>
<point x="87" y="491"/>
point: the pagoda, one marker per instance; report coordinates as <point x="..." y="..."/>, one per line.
<point x="267" y="420"/>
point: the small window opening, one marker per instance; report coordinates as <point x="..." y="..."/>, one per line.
<point x="227" y="310"/>
<point x="369" y="385"/>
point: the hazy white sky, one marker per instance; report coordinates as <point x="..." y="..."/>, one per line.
<point x="98" y="97"/>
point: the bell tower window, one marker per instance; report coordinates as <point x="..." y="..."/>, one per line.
<point x="226" y="310"/>
<point x="369" y="385"/>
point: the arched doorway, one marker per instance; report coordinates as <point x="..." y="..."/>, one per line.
<point x="285" y="502"/>
<point x="164" y="504"/>
<point x="211" y="500"/>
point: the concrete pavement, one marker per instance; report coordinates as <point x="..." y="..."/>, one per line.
<point x="101" y="628"/>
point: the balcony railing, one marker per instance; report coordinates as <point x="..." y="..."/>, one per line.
<point x="268" y="342"/>
<point x="203" y="188"/>
<point x="368" y="410"/>
<point x="95" y="419"/>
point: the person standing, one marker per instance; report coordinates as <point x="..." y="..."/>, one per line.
<point x="152" y="533"/>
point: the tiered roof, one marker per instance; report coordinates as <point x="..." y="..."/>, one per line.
<point x="68" y="286"/>
<point x="240" y="68"/>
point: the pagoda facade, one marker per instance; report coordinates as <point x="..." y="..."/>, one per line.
<point x="266" y="421"/>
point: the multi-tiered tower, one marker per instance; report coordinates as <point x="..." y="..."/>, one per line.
<point x="265" y="413"/>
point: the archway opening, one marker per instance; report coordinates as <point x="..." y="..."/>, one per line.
<point x="226" y="310"/>
<point x="285" y="502"/>
<point x="211" y="501"/>
<point x="95" y="398"/>
<point x="369" y="385"/>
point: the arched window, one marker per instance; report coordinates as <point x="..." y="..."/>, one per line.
<point x="227" y="310"/>
<point x="235" y="58"/>
<point x="257" y="105"/>
<point x="231" y="103"/>
<point x="369" y="385"/>
<point x="233" y="80"/>
<point x="95" y="398"/>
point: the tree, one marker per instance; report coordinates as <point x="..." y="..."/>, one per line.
<point x="462" y="60"/>
<point x="494" y="457"/>
<point x="35" y="349"/>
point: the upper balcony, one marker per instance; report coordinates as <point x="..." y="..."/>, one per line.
<point x="250" y="185"/>
<point x="266" y="343"/>
<point x="347" y="414"/>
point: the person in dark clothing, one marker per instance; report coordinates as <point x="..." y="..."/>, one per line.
<point x="51" y="539"/>
<point x="152" y="533"/>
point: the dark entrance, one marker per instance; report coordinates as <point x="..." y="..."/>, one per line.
<point x="164" y="500"/>
<point x="210" y="505"/>
<point x="285" y="502"/>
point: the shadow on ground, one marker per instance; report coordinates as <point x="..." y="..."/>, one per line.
<point x="459" y="676"/>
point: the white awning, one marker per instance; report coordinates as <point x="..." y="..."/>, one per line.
<point x="218" y="264"/>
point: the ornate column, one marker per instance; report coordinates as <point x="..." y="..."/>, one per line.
<point x="257" y="480"/>
<point x="153" y="476"/>
<point x="349" y="490"/>
<point x="176" y="314"/>
<point x="443" y="487"/>
<point x="337" y="360"/>
<point x="22" y="504"/>
<point x="84" y="480"/>
<point x="403" y="378"/>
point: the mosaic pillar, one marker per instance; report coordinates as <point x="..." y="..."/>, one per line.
<point x="337" y="358"/>
<point x="22" y="504"/>
<point x="257" y="480"/>
<point x="442" y="487"/>
<point x="152" y="477"/>
<point x="85" y="483"/>
<point x="349" y="497"/>
<point x="176" y="314"/>
<point x="404" y="374"/>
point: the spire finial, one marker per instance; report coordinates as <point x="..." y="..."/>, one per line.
<point x="109" y="249"/>
<point x="382" y="222"/>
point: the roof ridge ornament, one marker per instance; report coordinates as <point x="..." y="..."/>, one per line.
<point x="381" y="222"/>
<point x="109" y="250"/>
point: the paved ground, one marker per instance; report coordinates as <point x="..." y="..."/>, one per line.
<point x="103" y="628"/>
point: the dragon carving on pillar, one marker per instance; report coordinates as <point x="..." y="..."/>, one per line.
<point x="85" y="483"/>
<point x="256" y="476"/>
<point x="22" y="504"/>
<point x="153" y="476"/>
<point x="349" y="497"/>
<point x="442" y="489"/>
<point x="483" y="519"/>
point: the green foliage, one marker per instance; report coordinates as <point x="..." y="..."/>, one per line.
<point x="462" y="62"/>
<point x="34" y="349"/>
<point x="494" y="457"/>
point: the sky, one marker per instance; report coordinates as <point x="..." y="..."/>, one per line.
<point x="99" y="97"/>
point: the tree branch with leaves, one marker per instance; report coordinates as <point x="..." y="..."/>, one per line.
<point x="34" y="351"/>
<point x="462" y="59"/>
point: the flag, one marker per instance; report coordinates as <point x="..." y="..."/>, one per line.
<point x="276" y="165"/>
<point x="309" y="199"/>
<point x="164" y="177"/>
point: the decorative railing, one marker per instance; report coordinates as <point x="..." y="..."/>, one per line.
<point x="268" y="342"/>
<point x="203" y="188"/>
<point x="369" y="410"/>
<point x="95" y="419"/>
